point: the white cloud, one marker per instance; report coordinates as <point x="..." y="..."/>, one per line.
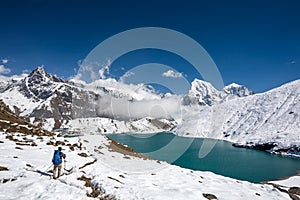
<point x="79" y="62"/>
<point x="14" y="77"/>
<point x="104" y="71"/>
<point x="126" y="75"/>
<point x="25" y="71"/>
<point x="172" y="74"/>
<point x="21" y="76"/>
<point x="91" y="71"/>
<point x="4" y="70"/>
<point x="122" y="108"/>
<point x="4" y="60"/>
<point x="88" y="71"/>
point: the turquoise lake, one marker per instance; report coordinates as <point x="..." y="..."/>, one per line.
<point x="224" y="159"/>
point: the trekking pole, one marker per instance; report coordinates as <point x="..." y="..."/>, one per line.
<point x="64" y="166"/>
<point x="48" y="167"/>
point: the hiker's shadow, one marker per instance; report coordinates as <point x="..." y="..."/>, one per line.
<point x="44" y="173"/>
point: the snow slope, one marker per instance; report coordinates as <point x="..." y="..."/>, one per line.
<point x="113" y="174"/>
<point x="106" y="125"/>
<point x="293" y="181"/>
<point x="272" y="116"/>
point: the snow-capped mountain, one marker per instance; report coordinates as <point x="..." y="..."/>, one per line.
<point x="41" y="95"/>
<point x="204" y="93"/>
<point x="238" y="90"/>
<point x="119" y="89"/>
<point x="267" y="118"/>
<point x="52" y="102"/>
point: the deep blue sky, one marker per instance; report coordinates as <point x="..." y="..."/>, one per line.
<point x="255" y="43"/>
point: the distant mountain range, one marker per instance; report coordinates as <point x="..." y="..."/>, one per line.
<point x="203" y="93"/>
<point x="235" y="113"/>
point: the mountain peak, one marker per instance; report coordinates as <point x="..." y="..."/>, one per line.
<point x="202" y="86"/>
<point x="238" y="90"/>
<point x="202" y="92"/>
<point x="233" y="85"/>
<point x="39" y="71"/>
<point x="39" y="75"/>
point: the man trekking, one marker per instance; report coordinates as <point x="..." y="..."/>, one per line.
<point x="57" y="160"/>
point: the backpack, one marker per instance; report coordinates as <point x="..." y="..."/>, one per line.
<point x="56" y="158"/>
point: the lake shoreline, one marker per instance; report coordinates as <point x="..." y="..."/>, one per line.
<point x="116" y="146"/>
<point x="257" y="163"/>
<point x="265" y="147"/>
